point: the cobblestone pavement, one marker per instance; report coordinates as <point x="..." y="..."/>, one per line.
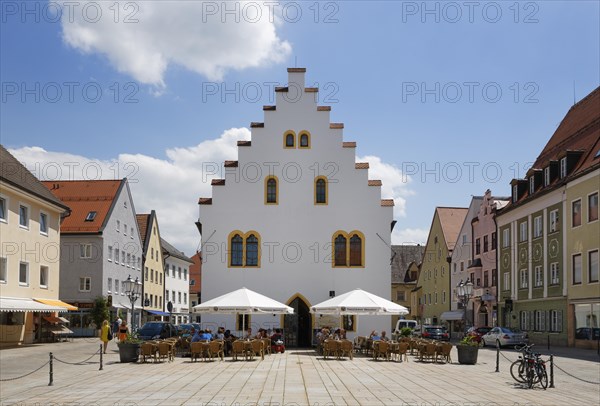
<point x="293" y="378"/>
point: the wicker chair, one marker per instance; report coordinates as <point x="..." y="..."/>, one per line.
<point x="443" y="353"/>
<point x="237" y="348"/>
<point x="215" y="349"/>
<point x="267" y="346"/>
<point x="257" y="349"/>
<point x="183" y="346"/>
<point x="428" y="351"/>
<point x="400" y="349"/>
<point x="330" y="348"/>
<point x="165" y="350"/>
<point x="346" y="349"/>
<point x="147" y="350"/>
<point x="196" y="350"/>
<point x="360" y="344"/>
<point x="381" y="349"/>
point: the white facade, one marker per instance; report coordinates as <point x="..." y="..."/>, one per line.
<point x="177" y="288"/>
<point x="296" y="233"/>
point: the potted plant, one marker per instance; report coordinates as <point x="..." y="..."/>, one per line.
<point x="467" y="351"/>
<point x="129" y="349"/>
<point x="406" y="332"/>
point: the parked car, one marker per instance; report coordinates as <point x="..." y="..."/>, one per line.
<point x="477" y="332"/>
<point x="403" y="323"/>
<point x="433" y="333"/>
<point x="505" y="336"/>
<point x="157" y="330"/>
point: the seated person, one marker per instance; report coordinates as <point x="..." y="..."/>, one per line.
<point x="277" y="342"/>
<point x="336" y="334"/>
<point x="375" y="336"/>
<point x="197" y="336"/>
<point x="220" y="333"/>
<point x="206" y="336"/>
<point x="342" y="334"/>
<point x="384" y="337"/>
<point x="248" y="335"/>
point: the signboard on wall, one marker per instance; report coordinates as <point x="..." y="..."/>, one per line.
<point x="327" y="320"/>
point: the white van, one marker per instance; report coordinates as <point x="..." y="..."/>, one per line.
<point x="400" y="324"/>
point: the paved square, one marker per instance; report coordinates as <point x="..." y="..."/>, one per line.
<point x="293" y="378"/>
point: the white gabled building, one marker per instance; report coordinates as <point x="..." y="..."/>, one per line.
<point x="177" y="282"/>
<point x="297" y="219"/>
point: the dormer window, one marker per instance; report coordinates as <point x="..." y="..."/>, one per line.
<point x="515" y="193"/>
<point x="531" y="185"/>
<point x="90" y="216"/>
<point x="563" y="167"/>
<point x="546" y="176"/>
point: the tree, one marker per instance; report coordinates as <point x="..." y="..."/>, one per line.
<point x="100" y="311"/>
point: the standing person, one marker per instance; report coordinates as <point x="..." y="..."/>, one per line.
<point x="123" y="331"/>
<point x="115" y="327"/>
<point x="104" y="332"/>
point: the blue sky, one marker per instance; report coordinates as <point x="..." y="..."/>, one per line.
<point x="372" y="60"/>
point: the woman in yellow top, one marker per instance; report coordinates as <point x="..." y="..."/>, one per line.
<point x="104" y="334"/>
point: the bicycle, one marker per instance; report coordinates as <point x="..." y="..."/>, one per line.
<point x="530" y="368"/>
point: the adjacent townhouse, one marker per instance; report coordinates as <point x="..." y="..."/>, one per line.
<point x="405" y="272"/>
<point x="153" y="289"/>
<point x="177" y="283"/>
<point x="434" y="278"/>
<point x="196" y="285"/>
<point x="99" y="248"/>
<point x="549" y="236"/>
<point x="462" y="256"/>
<point x="30" y="218"/>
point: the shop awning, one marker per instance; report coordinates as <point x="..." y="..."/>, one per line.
<point x="56" y="302"/>
<point x="158" y="313"/>
<point x="63" y="320"/>
<point x="52" y="319"/>
<point x="452" y="315"/>
<point x="21" y="304"/>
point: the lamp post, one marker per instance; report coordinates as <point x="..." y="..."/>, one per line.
<point x="465" y="290"/>
<point x="133" y="290"/>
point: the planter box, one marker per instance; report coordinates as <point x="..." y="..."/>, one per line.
<point x="467" y="354"/>
<point x="129" y="352"/>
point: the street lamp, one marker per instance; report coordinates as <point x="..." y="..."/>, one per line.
<point x="464" y="291"/>
<point x="133" y="290"/>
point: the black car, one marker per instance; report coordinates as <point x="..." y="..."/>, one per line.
<point x="435" y="333"/>
<point x="157" y="330"/>
<point x="587" y="333"/>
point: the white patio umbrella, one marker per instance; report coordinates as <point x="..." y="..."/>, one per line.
<point x="358" y="302"/>
<point x="244" y="301"/>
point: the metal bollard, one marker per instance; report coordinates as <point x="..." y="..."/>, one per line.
<point x="551" y="371"/>
<point x="51" y="371"/>
<point x="497" y="357"/>
<point x="100" y="357"/>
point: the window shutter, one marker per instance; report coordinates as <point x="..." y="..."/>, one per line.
<point x="531" y="320"/>
<point x="544" y="318"/>
<point x="559" y="321"/>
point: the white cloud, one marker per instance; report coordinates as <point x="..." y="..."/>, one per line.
<point x="192" y="34"/>
<point x="172" y="186"/>
<point x="409" y="236"/>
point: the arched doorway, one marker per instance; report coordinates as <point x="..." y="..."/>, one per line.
<point x="298" y="326"/>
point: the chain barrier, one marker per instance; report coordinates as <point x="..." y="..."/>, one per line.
<point x="573" y="376"/>
<point x="506" y="358"/>
<point x="76" y="363"/>
<point x="23" y="376"/>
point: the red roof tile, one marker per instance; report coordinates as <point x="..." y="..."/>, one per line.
<point x="296" y="70"/>
<point x="323" y="108"/>
<point x="257" y="125"/>
<point x="387" y="202"/>
<point x="349" y="144"/>
<point x="83" y="197"/>
<point x="231" y="164"/>
<point x="244" y="143"/>
<point x="142" y="220"/>
<point x="311" y="89"/>
<point x="375" y="183"/>
<point x="269" y="108"/>
<point x="218" y="182"/>
<point x="336" y="126"/>
<point x="361" y="165"/>
<point x="205" y="200"/>
<point x="451" y="220"/>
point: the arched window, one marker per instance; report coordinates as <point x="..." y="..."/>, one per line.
<point x="321" y="190"/>
<point x="251" y="250"/>
<point x="355" y="250"/>
<point x="271" y="190"/>
<point x="237" y="250"/>
<point x="289" y="140"/>
<point x="304" y="140"/>
<point x="340" y="250"/>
